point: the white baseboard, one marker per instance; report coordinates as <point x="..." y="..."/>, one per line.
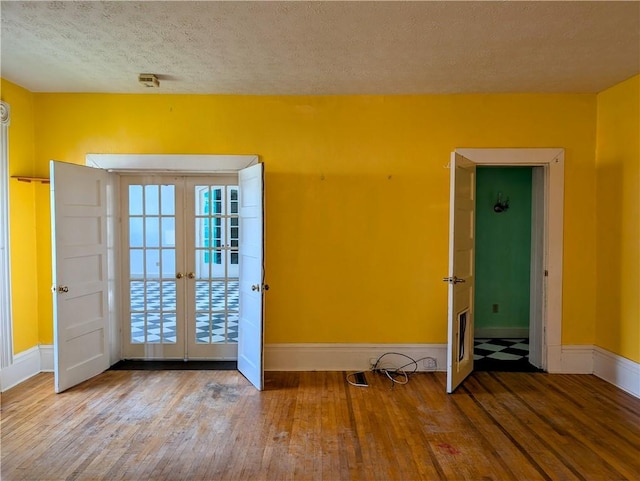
<point x="353" y="357"/>
<point x="500" y="332"/>
<point x="617" y="370"/>
<point x="46" y="357"/>
<point x="26" y="364"/>
<point x="582" y="359"/>
<point x="575" y="360"/>
<point x="348" y="357"/>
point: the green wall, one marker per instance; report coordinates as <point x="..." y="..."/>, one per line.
<point x="503" y="248"/>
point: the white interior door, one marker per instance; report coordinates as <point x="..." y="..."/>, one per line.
<point x="80" y="281"/>
<point x="250" y="326"/>
<point x="461" y="270"/>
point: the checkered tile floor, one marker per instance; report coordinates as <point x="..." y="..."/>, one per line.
<point x="160" y="312"/>
<point x="501" y="349"/>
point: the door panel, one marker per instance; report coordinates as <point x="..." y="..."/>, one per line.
<point x="79" y="251"/>
<point x="251" y="241"/>
<point x="461" y="271"/>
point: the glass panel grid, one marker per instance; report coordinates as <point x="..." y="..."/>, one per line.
<point x="153" y="311"/>
<point x="152" y="261"/>
<point x="216" y="257"/>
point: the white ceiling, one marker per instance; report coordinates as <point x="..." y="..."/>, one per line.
<point x="320" y="47"/>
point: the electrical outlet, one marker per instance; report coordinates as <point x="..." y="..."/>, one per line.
<point x="429" y="364"/>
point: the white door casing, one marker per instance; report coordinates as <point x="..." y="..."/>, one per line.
<point x="461" y="270"/>
<point x="250" y="326"/>
<point x="546" y="281"/>
<point x="181" y="164"/>
<point x="80" y="278"/>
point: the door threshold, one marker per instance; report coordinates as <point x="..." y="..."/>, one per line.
<point x="174" y="365"/>
<point x="498" y="365"/>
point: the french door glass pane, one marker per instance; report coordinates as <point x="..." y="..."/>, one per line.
<point x="151" y="200"/>
<point x="136" y="264"/>
<point x="136" y="231"/>
<point x="135" y="200"/>
<point x="152" y="228"/>
<point x="167" y="200"/>
<point x="168" y="263"/>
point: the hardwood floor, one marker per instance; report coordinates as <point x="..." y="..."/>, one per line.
<point x="212" y="425"/>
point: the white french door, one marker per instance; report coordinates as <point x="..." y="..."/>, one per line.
<point x="180" y="267"/>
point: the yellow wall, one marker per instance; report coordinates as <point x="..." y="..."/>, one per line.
<point x="356" y="193"/>
<point x="618" y="219"/>
<point x="24" y="268"/>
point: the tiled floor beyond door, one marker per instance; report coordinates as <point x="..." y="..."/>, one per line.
<point x="164" y="326"/>
<point x="501" y="349"/>
<point x="502" y="355"/>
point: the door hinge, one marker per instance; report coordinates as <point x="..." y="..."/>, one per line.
<point x="546" y="273"/>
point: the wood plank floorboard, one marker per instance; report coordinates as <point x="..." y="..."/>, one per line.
<point x="214" y="426"/>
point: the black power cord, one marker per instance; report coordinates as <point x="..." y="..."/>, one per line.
<point x="397" y="375"/>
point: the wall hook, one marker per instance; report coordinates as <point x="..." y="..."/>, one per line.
<point x="501" y="206"/>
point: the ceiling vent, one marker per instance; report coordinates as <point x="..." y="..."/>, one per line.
<point x="148" y="80"/>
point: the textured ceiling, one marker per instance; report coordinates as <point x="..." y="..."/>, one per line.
<point x="320" y="47"/>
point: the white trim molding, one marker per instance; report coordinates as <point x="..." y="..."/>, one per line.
<point x="46" y="358"/>
<point x="6" y="336"/>
<point x="27" y="364"/>
<point x="582" y="359"/>
<point x="617" y="370"/>
<point x="575" y="360"/>
<point x="347" y="357"/>
<point x="187" y="163"/>
<point x="552" y="159"/>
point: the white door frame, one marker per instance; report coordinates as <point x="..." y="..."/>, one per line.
<point x="552" y="159"/>
<point x="147" y="163"/>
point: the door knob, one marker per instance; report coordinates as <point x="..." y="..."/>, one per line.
<point x="255" y="287"/>
<point x="63" y="289"/>
<point x="453" y="280"/>
<point x="191" y="275"/>
<point x="179" y="275"/>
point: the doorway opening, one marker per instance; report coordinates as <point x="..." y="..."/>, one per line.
<point x="547" y="219"/>
<point x="180" y="245"/>
<point x="85" y="200"/>
<point x="503" y="266"/>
